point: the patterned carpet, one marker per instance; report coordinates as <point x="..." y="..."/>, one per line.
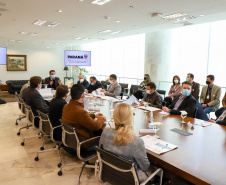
<point x="8" y="97"/>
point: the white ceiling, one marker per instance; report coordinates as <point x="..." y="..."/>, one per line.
<point x="83" y="19"/>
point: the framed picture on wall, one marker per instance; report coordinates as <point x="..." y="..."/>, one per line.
<point x="16" y="63"/>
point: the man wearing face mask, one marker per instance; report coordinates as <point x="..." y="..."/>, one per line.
<point x="75" y="115"/>
<point x="152" y="97"/>
<point x="82" y="81"/>
<point x="94" y="84"/>
<point x="52" y="80"/>
<point x="195" y="86"/>
<point x="210" y="96"/>
<point x="183" y="102"/>
<point x="34" y="99"/>
<point x="114" y="88"/>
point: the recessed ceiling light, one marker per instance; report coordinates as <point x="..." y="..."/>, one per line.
<point x="100" y="2"/>
<point x="173" y="16"/>
<point x="201" y="15"/>
<point x="39" y="22"/>
<point x="105" y="31"/>
<point x="78" y="38"/>
<point x="115" y="32"/>
<point x="53" y="24"/>
<point x="23" y="33"/>
<point x="86" y="39"/>
<point x="117" y="21"/>
<point x="33" y="34"/>
<point x="60" y="11"/>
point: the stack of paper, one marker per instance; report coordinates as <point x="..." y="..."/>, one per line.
<point x="132" y="100"/>
<point x="148" y="108"/>
<point x="203" y="123"/>
<point x="164" y="113"/>
<point x="46" y="93"/>
<point x="156" y="145"/>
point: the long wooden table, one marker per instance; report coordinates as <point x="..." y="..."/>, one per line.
<point x="200" y="158"/>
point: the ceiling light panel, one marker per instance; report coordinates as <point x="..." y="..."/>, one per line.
<point x="173" y="16"/>
<point x="105" y="31"/>
<point x="53" y="24"/>
<point x="39" y="22"/>
<point x="100" y="2"/>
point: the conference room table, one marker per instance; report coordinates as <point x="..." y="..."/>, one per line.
<point x="200" y="158"/>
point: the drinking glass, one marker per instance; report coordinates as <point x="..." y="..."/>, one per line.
<point x="183" y="116"/>
<point x="156" y="128"/>
<point x="146" y="105"/>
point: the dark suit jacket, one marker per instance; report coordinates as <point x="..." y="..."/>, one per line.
<point x="92" y="88"/>
<point x="155" y="100"/>
<point x="84" y="84"/>
<point x="195" y="90"/>
<point x="187" y="105"/>
<point x="54" y="85"/>
<point x="55" y="113"/>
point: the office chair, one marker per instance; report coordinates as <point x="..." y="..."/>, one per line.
<point x="47" y="129"/>
<point x="124" y="88"/>
<point x="162" y="92"/>
<point x="195" y="112"/>
<point x="116" y="170"/>
<point x="104" y="83"/>
<point x="30" y="118"/>
<point x="22" y="107"/>
<point x="70" y="139"/>
<point x="133" y="89"/>
<point x="22" y="110"/>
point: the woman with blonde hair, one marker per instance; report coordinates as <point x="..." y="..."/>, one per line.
<point x="123" y="142"/>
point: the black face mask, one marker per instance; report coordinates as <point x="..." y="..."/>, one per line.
<point x="145" y="78"/>
<point x="208" y="82"/>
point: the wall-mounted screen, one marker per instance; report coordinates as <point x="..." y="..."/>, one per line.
<point x="77" y="58"/>
<point x="3" y="54"/>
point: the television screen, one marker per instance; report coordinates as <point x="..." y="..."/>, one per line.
<point x="3" y="54"/>
<point x="77" y="58"/>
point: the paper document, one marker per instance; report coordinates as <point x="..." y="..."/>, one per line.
<point x="132" y="100"/>
<point x="203" y="123"/>
<point x="156" y="145"/>
<point x="164" y="113"/>
<point x="148" y="108"/>
<point x="46" y="93"/>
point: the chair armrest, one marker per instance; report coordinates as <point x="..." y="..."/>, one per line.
<point x="152" y="175"/>
<point x="89" y="139"/>
<point x="57" y="127"/>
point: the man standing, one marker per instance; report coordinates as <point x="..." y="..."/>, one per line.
<point x="152" y="97"/>
<point x="210" y="96"/>
<point x="183" y="102"/>
<point x="52" y="80"/>
<point x="195" y="86"/>
<point x="82" y="81"/>
<point x="114" y="88"/>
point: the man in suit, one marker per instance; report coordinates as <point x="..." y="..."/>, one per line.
<point x="195" y="86"/>
<point x="221" y="119"/>
<point x="114" y="88"/>
<point x="210" y="96"/>
<point x="183" y="102"/>
<point x="52" y="80"/>
<point x="85" y="124"/>
<point x="152" y="97"/>
<point x="94" y="84"/>
<point x="34" y="99"/>
<point x="82" y="81"/>
<point x="56" y="108"/>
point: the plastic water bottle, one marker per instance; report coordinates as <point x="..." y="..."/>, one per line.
<point x="150" y="121"/>
<point x="110" y="105"/>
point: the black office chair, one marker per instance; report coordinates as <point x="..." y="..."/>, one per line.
<point x="124" y="87"/>
<point x="46" y="129"/>
<point x="104" y="83"/>
<point x="70" y="139"/>
<point x="195" y="112"/>
<point x="133" y="89"/>
<point x="22" y="110"/>
<point x="116" y="170"/>
<point x="162" y="92"/>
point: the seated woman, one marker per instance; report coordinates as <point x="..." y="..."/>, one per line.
<point x="123" y="142"/>
<point x="139" y="94"/>
<point x="175" y="89"/>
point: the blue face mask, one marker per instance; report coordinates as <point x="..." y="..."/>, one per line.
<point x="53" y="76"/>
<point x="186" y="92"/>
<point x="187" y="79"/>
<point x="91" y="83"/>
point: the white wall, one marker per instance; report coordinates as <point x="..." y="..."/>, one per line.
<point x="39" y="63"/>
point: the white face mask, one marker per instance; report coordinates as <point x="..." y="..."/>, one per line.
<point x="81" y="80"/>
<point x="176" y="81"/>
<point x="111" y="82"/>
<point x="148" y="91"/>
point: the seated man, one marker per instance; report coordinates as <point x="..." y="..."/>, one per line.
<point x="221" y="119"/>
<point x="94" y="84"/>
<point x="34" y="99"/>
<point x="52" y="80"/>
<point x="152" y="97"/>
<point x="183" y="102"/>
<point x="114" y="88"/>
<point x="56" y="108"/>
<point x="210" y="96"/>
<point x="221" y="110"/>
<point x="195" y="86"/>
<point x="75" y="115"/>
<point x="82" y="81"/>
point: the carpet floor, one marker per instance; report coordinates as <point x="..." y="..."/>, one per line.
<point x="8" y="97"/>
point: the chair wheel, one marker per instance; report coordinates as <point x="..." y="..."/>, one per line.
<point x="42" y="148"/>
<point x="60" y="173"/>
<point x="16" y="123"/>
<point x="18" y="133"/>
<point x="22" y="144"/>
<point x="59" y="165"/>
<point x="36" y="158"/>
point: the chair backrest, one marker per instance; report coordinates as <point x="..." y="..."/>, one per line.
<point x="116" y="170"/>
<point x="22" y="105"/>
<point x="195" y="112"/>
<point x="19" y="103"/>
<point x="104" y="83"/>
<point x="29" y="114"/>
<point x="133" y="88"/>
<point x="162" y="92"/>
<point x="123" y="86"/>
<point x="44" y="123"/>
<point x="69" y="136"/>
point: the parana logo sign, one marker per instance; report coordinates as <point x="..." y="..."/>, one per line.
<point x="78" y="56"/>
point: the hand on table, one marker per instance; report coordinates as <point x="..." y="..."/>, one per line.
<point x="165" y="109"/>
<point x="102" y="90"/>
